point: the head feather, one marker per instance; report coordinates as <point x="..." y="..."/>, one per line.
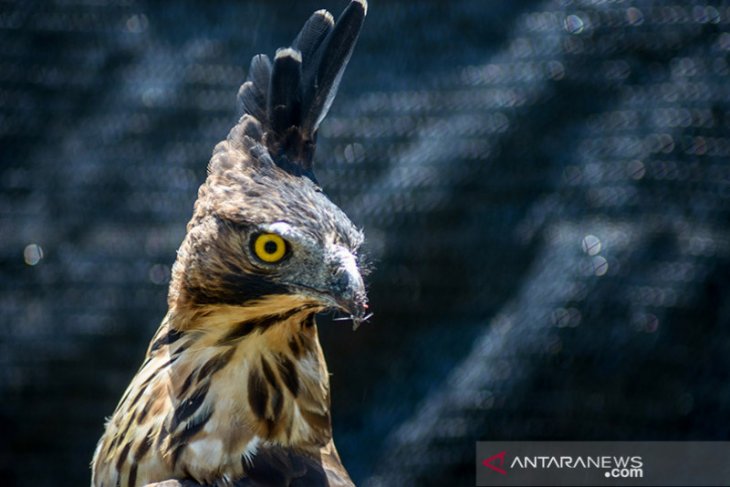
<point x="290" y="96"/>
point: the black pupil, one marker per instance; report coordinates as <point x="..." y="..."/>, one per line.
<point x="270" y="247"/>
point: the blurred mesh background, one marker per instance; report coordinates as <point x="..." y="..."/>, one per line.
<point x="544" y="186"/>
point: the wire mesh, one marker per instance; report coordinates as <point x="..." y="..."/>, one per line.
<point x="544" y="189"/>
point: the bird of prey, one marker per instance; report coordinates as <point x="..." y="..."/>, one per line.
<point x="234" y="389"/>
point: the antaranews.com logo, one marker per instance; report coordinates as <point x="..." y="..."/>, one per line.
<point x="612" y="467"/>
<point x="647" y="463"/>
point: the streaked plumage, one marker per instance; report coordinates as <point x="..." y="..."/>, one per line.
<point x="234" y="389"/>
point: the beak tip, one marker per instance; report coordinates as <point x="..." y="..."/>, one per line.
<point x="357" y="309"/>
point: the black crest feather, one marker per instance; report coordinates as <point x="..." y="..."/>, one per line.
<point x="291" y="95"/>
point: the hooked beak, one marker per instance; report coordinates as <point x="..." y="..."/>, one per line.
<point x="349" y="294"/>
<point x="344" y="288"/>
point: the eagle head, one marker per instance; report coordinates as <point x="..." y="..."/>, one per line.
<point x="263" y="232"/>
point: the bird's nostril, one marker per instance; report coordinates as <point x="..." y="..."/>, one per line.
<point x="342" y="281"/>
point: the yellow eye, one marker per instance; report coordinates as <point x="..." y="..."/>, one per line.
<point x="269" y="247"/>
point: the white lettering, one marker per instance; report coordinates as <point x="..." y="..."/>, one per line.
<point x="626" y="473"/>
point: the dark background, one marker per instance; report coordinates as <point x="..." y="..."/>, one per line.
<point x="486" y="148"/>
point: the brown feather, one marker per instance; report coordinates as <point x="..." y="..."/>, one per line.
<point x="234" y="388"/>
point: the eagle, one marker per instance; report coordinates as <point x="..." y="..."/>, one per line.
<point x="234" y="388"/>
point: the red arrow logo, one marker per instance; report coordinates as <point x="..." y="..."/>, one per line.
<point x="498" y="456"/>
